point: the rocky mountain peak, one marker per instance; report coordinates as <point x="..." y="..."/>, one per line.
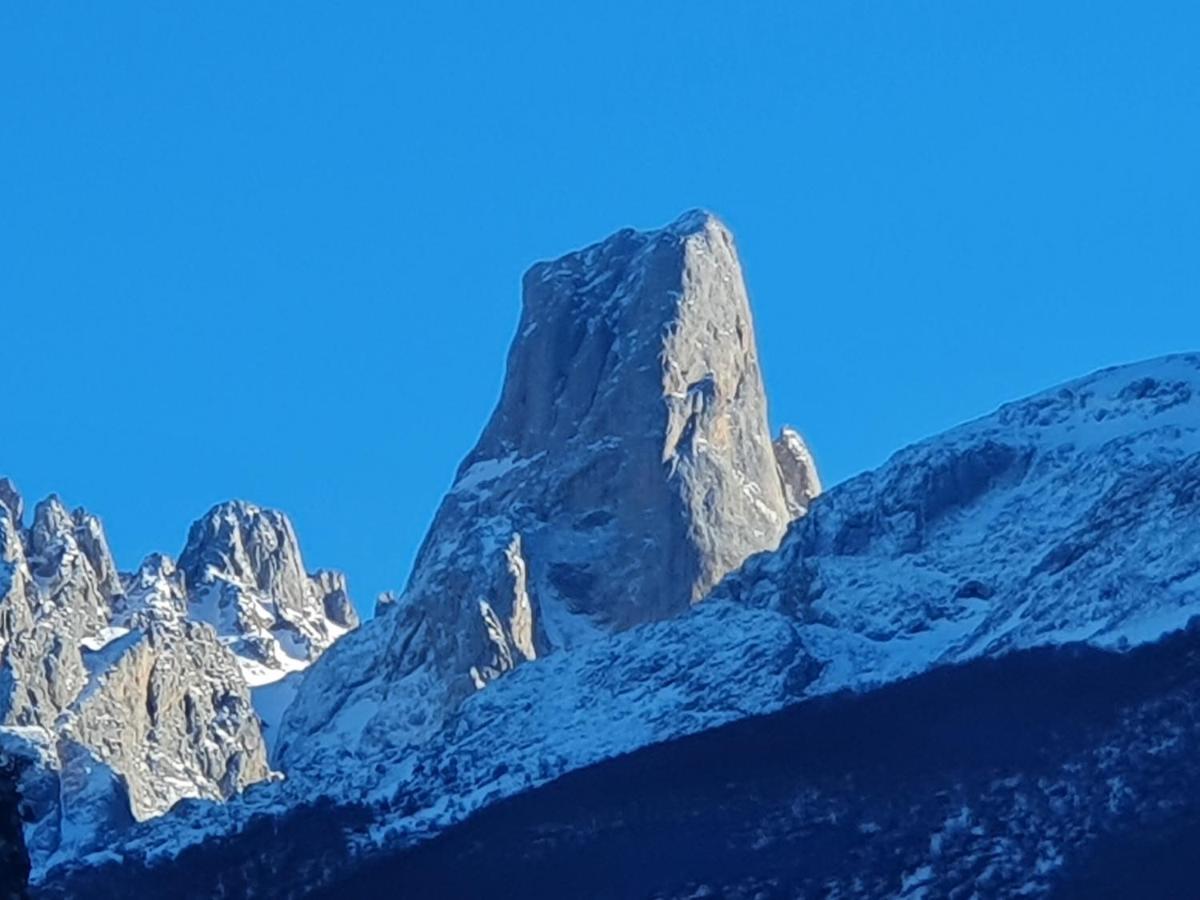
<point x="246" y="577"/>
<point x="10" y="499"/>
<point x="633" y="410"/>
<point x="627" y="467"/>
<point x="69" y="556"/>
<point x="131" y="692"/>
<point x="245" y="542"/>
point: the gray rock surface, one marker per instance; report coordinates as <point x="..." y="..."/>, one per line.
<point x="245" y="576"/>
<point x="627" y="467"/>
<point x="16" y="589"/>
<point x="798" y="471"/>
<point x="11" y="500"/>
<point x="168" y="709"/>
<point x="121" y="688"/>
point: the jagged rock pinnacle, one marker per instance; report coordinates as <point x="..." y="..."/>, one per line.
<point x="627" y="468"/>
<point x="798" y="471"/>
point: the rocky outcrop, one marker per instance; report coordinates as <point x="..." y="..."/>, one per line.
<point x="626" y="468"/>
<point x="69" y="558"/>
<point x="16" y="589"/>
<point x="246" y="578"/>
<point x="119" y="695"/>
<point x="11" y="500"/>
<point x="167" y="708"/>
<point x="797" y="471"/>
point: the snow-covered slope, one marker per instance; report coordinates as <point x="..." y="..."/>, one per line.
<point x="1071" y="516"/>
<point x="1067" y="517"/>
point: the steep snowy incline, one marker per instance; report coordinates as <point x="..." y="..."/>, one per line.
<point x="1070" y="516"/>
<point x="627" y="467"/>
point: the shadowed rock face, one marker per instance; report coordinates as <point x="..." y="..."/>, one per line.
<point x="14" y="859"/>
<point x="627" y="467"/>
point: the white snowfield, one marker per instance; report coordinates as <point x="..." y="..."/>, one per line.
<point x="1071" y="516"/>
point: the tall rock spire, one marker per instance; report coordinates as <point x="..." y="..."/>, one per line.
<point x="627" y="468"/>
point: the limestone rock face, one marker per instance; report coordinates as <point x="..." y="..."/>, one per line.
<point x="798" y="470"/>
<point x="120" y="691"/>
<point x="12" y="501"/>
<point x="627" y="468"/>
<point x="166" y="706"/>
<point x="16" y="591"/>
<point x="245" y="576"/>
<point x="154" y="593"/>
<point x="69" y="557"/>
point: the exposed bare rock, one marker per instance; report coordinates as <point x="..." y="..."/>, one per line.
<point x="168" y="709"/>
<point x="245" y="576"/>
<point x="16" y="591"/>
<point x="126" y="703"/>
<point x="335" y="598"/>
<point x="10" y="499"/>
<point x="42" y="670"/>
<point x="627" y="467"/>
<point x="797" y="470"/>
<point x="154" y="593"/>
<point x="76" y="578"/>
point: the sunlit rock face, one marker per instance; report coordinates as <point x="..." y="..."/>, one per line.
<point x="798" y="469"/>
<point x="245" y="576"/>
<point x="126" y="693"/>
<point x="628" y="466"/>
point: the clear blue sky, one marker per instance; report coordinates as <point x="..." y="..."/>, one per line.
<point x="273" y="251"/>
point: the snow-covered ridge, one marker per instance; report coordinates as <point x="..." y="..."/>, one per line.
<point x="1069" y="516"/>
<point x="125" y="693"/>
